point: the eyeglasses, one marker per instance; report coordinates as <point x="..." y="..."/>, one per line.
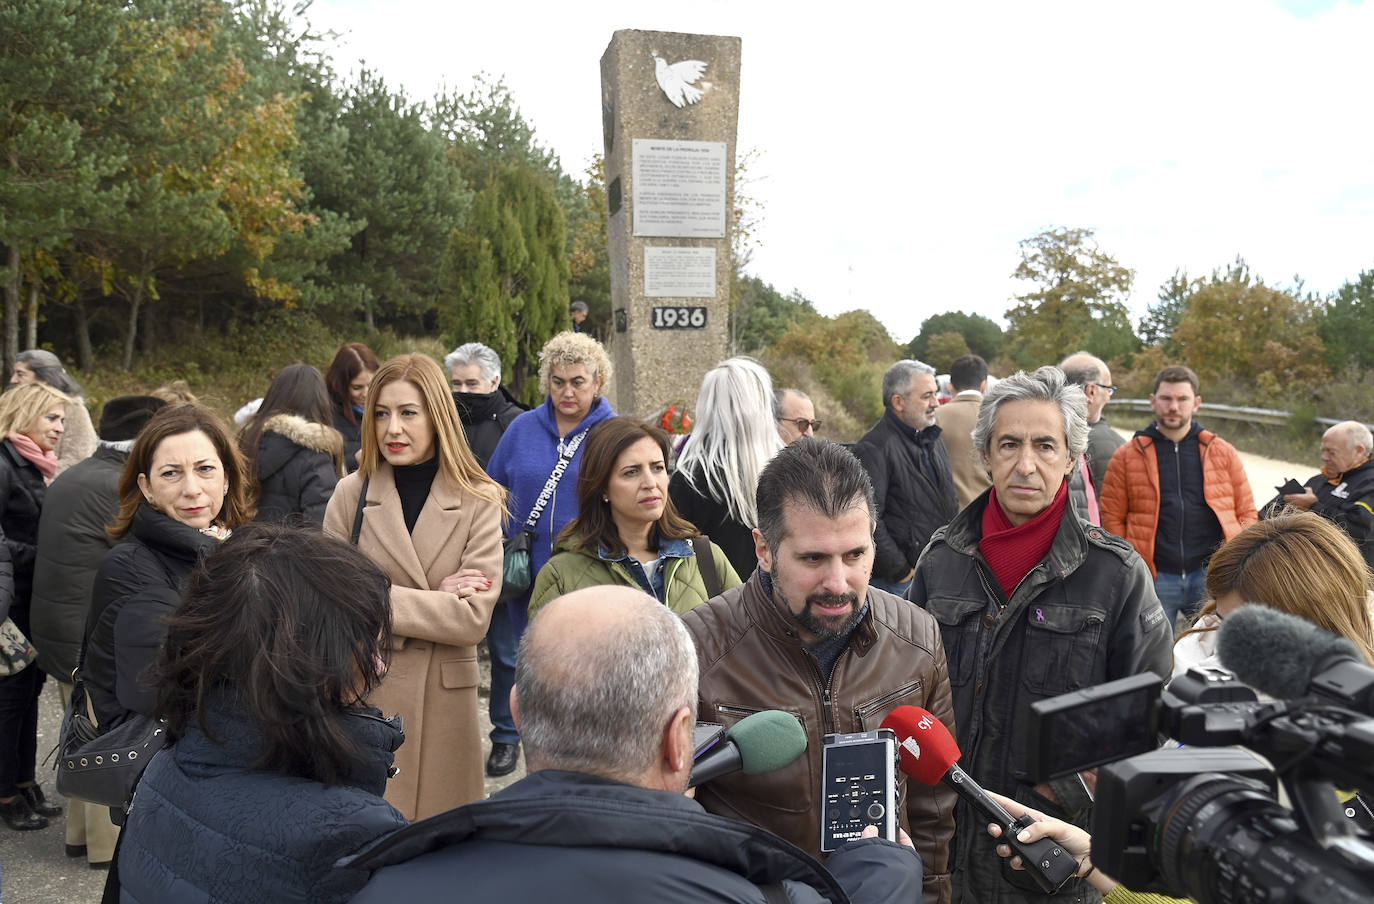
<point x="801" y="423"/>
<point x="1111" y="390"/>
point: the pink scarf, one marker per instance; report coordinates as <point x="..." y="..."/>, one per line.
<point x="45" y="462"/>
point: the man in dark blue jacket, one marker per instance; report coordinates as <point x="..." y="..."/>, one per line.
<point x="605" y="696"/>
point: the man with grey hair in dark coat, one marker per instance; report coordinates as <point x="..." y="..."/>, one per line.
<point x="605" y="695"/>
<point x="909" y="466"/>
<point x="1033" y="601"/>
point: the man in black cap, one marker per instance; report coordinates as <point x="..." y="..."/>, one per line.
<point x="71" y="545"/>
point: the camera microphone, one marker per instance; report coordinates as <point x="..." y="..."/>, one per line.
<point x="928" y="754"/>
<point x="1287" y="657"/>
<point x="757" y="743"/>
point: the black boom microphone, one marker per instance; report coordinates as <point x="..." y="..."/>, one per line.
<point x="1288" y="657"/>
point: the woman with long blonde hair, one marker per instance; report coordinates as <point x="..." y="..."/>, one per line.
<point x="421" y="507"/>
<point x="1297" y="562"/>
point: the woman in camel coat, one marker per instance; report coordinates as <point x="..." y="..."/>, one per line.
<point x="431" y="519"/>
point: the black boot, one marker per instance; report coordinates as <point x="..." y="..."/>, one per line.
<point x="18" y="816"/>
<point x="37" y="802"/>
<point x="503" y="759"/>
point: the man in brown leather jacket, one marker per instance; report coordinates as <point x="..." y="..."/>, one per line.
<point x="808" y="636"/>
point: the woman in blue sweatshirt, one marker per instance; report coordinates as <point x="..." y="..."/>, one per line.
<point x="573" y="370"/>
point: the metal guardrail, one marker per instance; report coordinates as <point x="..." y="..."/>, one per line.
<point x="1211" y="411"/>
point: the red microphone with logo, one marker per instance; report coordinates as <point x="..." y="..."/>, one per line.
<point x="929" y="755"/>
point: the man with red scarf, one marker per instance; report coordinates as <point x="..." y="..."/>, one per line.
<point x="1033" y="601"/>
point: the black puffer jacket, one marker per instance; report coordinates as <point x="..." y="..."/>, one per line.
<point x="352" y="436"/>
<point x="485" y="416"/>
<point x="138" y="585"/>
<point x="72" y="543"/>
<point x="21" y="494"/>
<point x="913" y="502"/>
<point x="296" y="468"/>
<point x="206" y="826"/>
<point x="571" y="837"/>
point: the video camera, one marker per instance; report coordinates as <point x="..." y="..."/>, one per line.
<point x="1204" y="820"/>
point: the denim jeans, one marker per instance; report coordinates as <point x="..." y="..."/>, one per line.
<point x="1181" y="593"/>
<point x="899" y="589"/>
<point x="501" y="644"/>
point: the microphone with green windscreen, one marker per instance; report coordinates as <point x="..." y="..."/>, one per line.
<point x="758" y="743"/>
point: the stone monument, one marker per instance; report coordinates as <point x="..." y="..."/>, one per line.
<point x="670" y="105"/>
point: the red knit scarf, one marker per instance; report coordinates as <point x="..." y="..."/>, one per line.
<point x="1011" y="551"/>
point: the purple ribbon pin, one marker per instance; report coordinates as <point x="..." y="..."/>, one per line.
<point x="1039" y="614"/>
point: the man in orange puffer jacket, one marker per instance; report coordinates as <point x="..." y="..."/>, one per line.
<point x="1176" y="491"/>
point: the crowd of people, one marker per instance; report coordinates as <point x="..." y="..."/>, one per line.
<point x="280" y="594"/>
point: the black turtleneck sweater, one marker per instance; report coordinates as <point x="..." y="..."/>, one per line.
<point x="412" y="485"/>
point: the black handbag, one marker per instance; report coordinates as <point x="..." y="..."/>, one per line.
<point x="103" y="767"/>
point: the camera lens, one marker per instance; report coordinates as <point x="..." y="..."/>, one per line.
<point x="1197" y="820"/>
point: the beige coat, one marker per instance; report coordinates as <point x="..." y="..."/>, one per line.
<point x="956" y="419"/>
<point x="79" y="439"/>
<point x="433" y="678"/>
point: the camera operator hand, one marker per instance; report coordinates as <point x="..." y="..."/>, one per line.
<point x="1076" y="841"/>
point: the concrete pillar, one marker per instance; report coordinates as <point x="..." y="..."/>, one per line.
<point x="670" y="106"/>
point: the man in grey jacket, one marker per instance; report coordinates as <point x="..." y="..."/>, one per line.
<point x="1033" y="601"/>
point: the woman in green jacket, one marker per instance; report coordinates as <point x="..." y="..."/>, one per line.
<point x="627" y="531"/>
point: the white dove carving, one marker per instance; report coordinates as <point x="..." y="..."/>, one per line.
<point x="676" y="79"/>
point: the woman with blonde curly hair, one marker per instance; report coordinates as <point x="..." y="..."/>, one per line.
<point x="422" y="509"/>
<point x="1299" y="563"/>
<point x="573" y="372"/>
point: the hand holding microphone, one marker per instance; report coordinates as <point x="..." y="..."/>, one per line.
<point x="928" y="754"/>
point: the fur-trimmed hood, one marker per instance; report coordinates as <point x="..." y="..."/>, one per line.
<point x="284" y="435"/>
<point x="313" y="436"/>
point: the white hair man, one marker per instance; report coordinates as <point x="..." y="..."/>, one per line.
<point x="605" y="695"/>
<point x="1033" y="601"/>
<point x="1343" y="491"/>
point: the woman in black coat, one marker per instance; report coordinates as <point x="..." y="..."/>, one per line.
<point x="32" y="418"/>
<point x="183" y="489"/>
<point x="295" y="455"/>
<point x="276" y="766"/>
<point x="347" y="380"/>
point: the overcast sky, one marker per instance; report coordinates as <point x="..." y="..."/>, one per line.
<point x="907" y="148"/>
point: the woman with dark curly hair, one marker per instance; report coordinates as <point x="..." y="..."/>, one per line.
<point x="276" y="766"/>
